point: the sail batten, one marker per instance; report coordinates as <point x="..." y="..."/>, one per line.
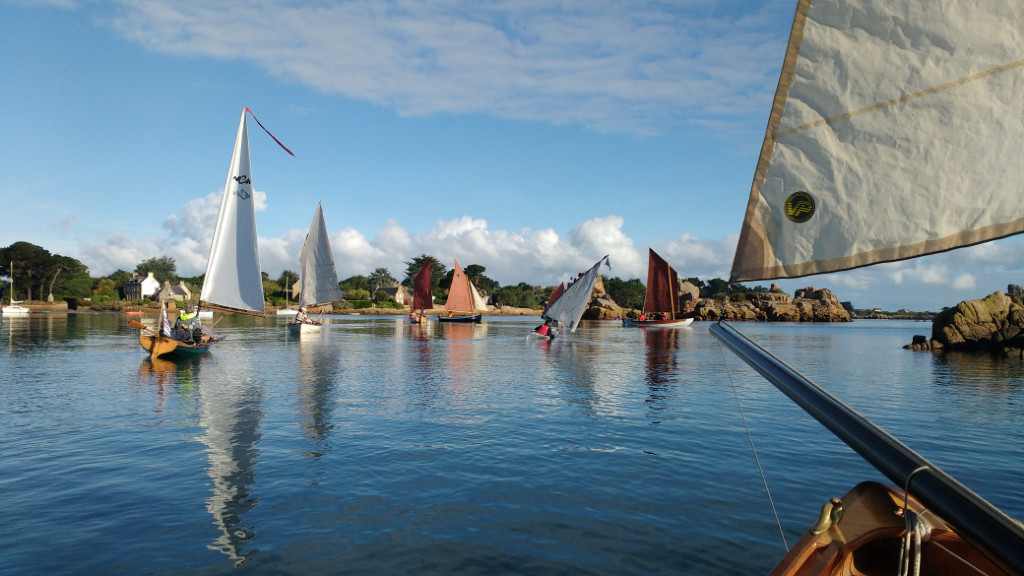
<point x="880" y="142"/>
<point x="233" y="278"/>
<point x="319" y="278"/>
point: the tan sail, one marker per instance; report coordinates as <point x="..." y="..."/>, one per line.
<point x="885" y="140"/>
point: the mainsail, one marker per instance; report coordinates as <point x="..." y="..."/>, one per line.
<point x="894" y="133"/>
<point x="662" y="281"/>
<point x="233" y="277"/>
<point x="421" y="297"/>
<point x="316" y="265"/>
<point x="461" y="295"/>
<point x="571" y="305"/>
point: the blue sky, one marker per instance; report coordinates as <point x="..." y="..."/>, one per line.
<point x="528" y="137"/>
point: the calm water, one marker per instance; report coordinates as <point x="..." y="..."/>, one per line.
<point x="381" y="448"/>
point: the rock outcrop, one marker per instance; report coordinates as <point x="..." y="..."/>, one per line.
<point x="601" y="306"/>
<point x="993" y="324"/>
<point x="809" y="305"/>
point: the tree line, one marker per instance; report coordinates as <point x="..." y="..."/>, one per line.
<point x="37" y="274"/>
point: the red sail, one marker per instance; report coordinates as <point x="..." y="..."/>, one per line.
<point x="421" y="299"/>
<point x="556" y="293"/>
<point x="661" y="285"/>
<point x="459" y="296"/>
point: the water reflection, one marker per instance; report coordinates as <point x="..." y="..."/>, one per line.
<point x="170" y="377"/>
<point x="316" y="377"/>
<point x="230" y="414"/>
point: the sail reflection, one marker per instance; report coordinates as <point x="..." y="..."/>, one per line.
<point x="316" y="377"/>
<point x="662" y="368"/>
<point x="230" y="414"/>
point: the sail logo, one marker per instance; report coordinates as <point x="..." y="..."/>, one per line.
<point x="799" y="207"/>
<point x="241" y="192"/>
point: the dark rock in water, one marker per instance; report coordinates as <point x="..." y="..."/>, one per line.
<point x="994" y="324"/>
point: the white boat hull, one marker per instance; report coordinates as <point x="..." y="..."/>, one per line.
<point x="303" y="328"/>
<point x="14" y="310"/>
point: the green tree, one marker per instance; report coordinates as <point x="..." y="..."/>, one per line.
<point x="163" y="268"/>
<point x="27" y="264"/>
<point x="270" y="287"/>
<point x="354" y="283"/>
<point x="287" y="279"/>
<point x="120" y="279"/>
<point x="381" y="278"/>
<point x="626" y="293"/>
<point x="70" y="267"/>
<point x="105" y="287"/>
<point x="475" y="273"/>
<point x="521" y="295"/>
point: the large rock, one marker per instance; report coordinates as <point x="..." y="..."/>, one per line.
<point x="993" y="324"/>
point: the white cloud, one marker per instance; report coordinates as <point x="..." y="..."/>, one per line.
<point x="964" y="282"/>
<point x="610" y="66"/>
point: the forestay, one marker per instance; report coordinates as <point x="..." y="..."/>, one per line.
<point x="895" y="132"/>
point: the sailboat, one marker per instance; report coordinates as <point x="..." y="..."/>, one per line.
<point x="567" y="309"/>
<point x="421" y="296"/>
<point x="233" y="280"/>
<point x="894" y="133"/>
<point x="318" y="278"/>
<point x="12" y="309"/>
<point x="662" y="296"/>
<point x="464" y="303"/>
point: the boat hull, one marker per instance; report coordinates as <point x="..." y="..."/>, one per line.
<point x="304" y="327"/>
<point x="171" y="348"/>
<point x="862" y="533"/>
<point x="471" y="318"/>
<point x="677" y="323"/>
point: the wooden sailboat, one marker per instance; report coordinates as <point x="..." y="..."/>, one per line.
<point x="662" y="296"/>
<point x="233" y="280"/>
<point x="893" y="135"/>
<point x="464" y="303"/>
<point x="318" y="277"/>
<point x="567" y="309"/>
<point x="421" y="296"/>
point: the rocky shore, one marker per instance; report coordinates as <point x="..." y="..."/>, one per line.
<point x="994" y="324"/>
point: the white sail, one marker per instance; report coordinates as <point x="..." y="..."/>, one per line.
<point x="316" y="265"/>
<point x="895" y="133"/>
<point x="479" y="304"/>
<point x="571" y="305"/>
<point x="233" y="277"/>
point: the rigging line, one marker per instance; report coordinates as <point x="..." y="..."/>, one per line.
<point x="757" y="458"/>
<point x="901" y="99"/>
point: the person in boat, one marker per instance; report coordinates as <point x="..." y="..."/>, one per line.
<point x="301" y="318"/>
<point x="183" y="328"/>
<point x="544" y="329"/>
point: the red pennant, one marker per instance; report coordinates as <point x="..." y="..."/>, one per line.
<point x="268" y="132"/>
